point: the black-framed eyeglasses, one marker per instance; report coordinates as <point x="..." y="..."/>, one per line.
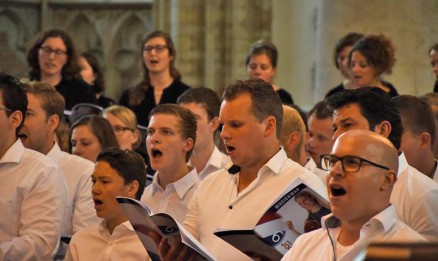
<point x="350" y="164"/>
<point x="48" y="51"/>
<point x="159" y="48"/>
<point x="119" y="130"/>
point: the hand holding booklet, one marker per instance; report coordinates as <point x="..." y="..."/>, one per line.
<point x="145" y="223"/>
<point x="297" y="210"/>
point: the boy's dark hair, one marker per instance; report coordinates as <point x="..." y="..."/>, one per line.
<point x="206" y="97"/>
<point x="265" y="101"/>
<point x="418" y="115"/>
<point x="375" y="105"/>
<point x="13" y="96"/>
<point x="187" y="123"/>
<point x="128" y="164"/>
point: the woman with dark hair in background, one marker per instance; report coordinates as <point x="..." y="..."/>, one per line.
<point x="52" y="59"/>
<point x="161" y="80"/>
<point x="369" y="59"/>
<point x="261" y="63"/>
<point x="342" y="50"/>
<point x="92" y="73"/>
<point x="90" y="135"/>
<point x="433" y="54"/>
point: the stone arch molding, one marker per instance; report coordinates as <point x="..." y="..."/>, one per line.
<point x="125" y="48"/>
<point x="15" y="31"/>
<point x="86" y="36"/>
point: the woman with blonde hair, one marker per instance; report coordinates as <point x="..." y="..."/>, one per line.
<point x="124" y="124"/>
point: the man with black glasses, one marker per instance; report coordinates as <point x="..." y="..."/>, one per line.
<point x="414" y="196"/>
<point x="362" y="172"/>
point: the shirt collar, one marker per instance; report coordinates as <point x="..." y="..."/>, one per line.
<point x="181" y="186"/>
<point x="55" y="153"/>
<point x="14" y="153"/>
<point x="386" y="218"/>
<point x="402" y="164"/>
<point x="274" y="164"/>
<point x="215" y="159"/>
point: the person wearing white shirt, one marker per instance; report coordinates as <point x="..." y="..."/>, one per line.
<point x="362" y="168"/>
<point x="44" y="113"/>
<point x="418" y="133"/>
<point x="32" y="190"/>
<point x="252" y="115"/>
<point x="320" y="133"/>
<point x="170" y="139"/>
<point x="293" y="135"/>
<point x="414" y="196"/>
<point x="117" y="173"/>
<point x="204" y="103"/>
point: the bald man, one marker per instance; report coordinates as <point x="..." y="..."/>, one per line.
<point x="362" y="171"/>
<point x="293" y="134"/>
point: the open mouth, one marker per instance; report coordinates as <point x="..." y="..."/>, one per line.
<point x="156" y="153"/>
<point x="154" y="61"/>
<point x="22" y="136"/>
<point x="337" y="191"/>
<point x="97" y="202"/>
<point x="230" y="148"/>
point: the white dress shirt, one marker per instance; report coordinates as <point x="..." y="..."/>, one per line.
<point x="218" y="205"/>
<point x="217" y="161"/>
<point x="311" y="165"/>
<point x="32" y="204"/>
<point x="415" y="197"/>
<point x="97" y="244"/>
<point x="174" y="199"/>
<point x="77" y="171"/>
<point x="383" y="227"/>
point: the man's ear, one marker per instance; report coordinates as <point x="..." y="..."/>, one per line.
<point x="384" y="128"/>
<point x="15" y="119"/>
<point x="389" y="179"/>
<point x="214" y="124"/>
<point x="134" y="186"/>
<point x="270" y="126"/>
<point x="53" y="121"/>
<point x="293" y="140"/>
<point x="425" y="140"/>
<point x="188" y="145"/>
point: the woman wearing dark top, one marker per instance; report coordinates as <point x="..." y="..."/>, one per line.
<point x="342" y="50"/>
<point x="369" y="59"/>
<point x="161" y="80"/>
<point x="433" y="54"/>
<point x="52" y="59"/>
<point x="92" y="74"/>
<point x="261" y="63"/>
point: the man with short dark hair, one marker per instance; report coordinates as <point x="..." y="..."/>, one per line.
<point x="45" y="111"/>
<point x="418" y="134"/>
<point x="204" y="103"/>
<point x="414" y="196"/>
<point x="32" y="190"/>
<point x="237" y="197"/>
<point x="170" y="139"/>
<point x="117" y="173"/>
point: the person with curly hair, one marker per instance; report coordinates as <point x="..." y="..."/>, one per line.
<point x="369" y="59"/>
